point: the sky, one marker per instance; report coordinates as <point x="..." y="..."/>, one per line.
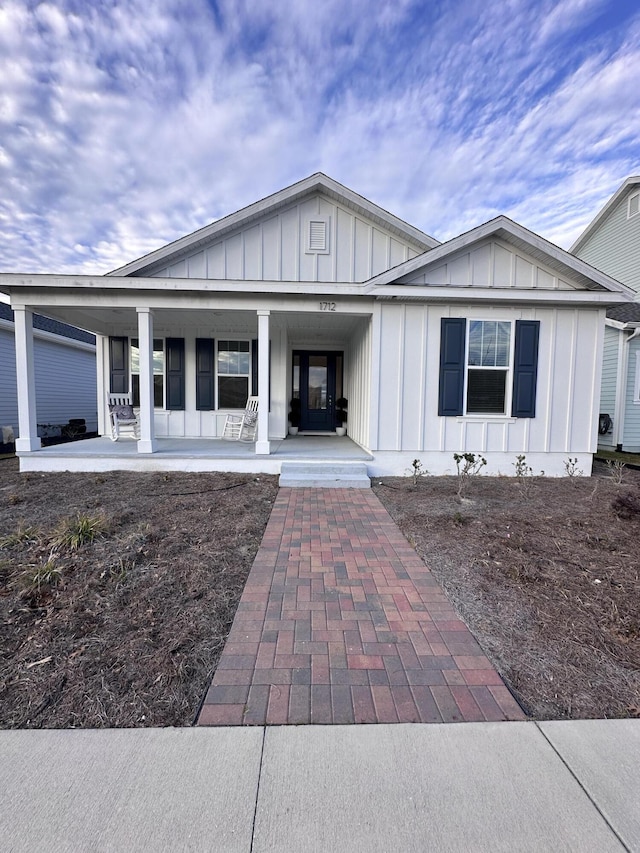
<point x="125" y="124"/>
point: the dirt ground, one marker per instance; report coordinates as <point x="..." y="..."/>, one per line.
<point x="546" y="573"/>
<point x="126" y="629"/>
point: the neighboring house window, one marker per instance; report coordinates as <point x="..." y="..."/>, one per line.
<point x="158" y="372"/>
<point x="234" y="374"/>
<point x="488" y="363"/>
<point x="634" y="205"/>
<point x="479" y="366"/>
<point x="317" y="235"/>
<point x="636" y="387"/>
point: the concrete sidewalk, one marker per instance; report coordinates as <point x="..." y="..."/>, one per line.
<point x="559" y="786"/>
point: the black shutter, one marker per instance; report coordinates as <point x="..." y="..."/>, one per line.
<point x="205" y="374"/>
<point x="119" y="365"/>
<point x="525" y="369"/>
<point x="452" y="345"/>
<point x="254" y="368"/>
<point x="175" y="373"/>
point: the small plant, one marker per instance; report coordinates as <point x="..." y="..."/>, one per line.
<point x="20" y="536"/>
<point x="616" y="469"/>
<point x="524" y="474"/>
<point x="571" y="468"/>
<point x="72" y="533"/>
<point x="44" y="575"/>
<point x="416" y="471"/>
<point x="468" y="465"/>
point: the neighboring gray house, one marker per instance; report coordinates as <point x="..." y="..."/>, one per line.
<point x="611" y="242"/>
<point x="65" y="373"/>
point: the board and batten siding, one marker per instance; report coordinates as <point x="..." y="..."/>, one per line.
<point x="612" y="342"/>
<point x="570" y="350"/>
<point x="614" y="247"/>
<point x="275" y="249"/>
<point x="358" y="382"/>
<point x="65" y="382"/>
<point x="490" y="264"/>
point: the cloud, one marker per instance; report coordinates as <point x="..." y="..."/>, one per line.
<point x="126" y="124"/>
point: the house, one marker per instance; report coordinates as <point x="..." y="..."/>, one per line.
<point x="65" y="376"/>
<point x="611" y="242"/>
<point x="489" y="343"/>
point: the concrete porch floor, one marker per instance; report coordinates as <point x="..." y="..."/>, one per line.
<point x="191" y="454"/>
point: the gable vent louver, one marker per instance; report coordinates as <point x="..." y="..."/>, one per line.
<point x="317" y="235"/>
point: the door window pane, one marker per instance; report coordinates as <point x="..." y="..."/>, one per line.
<point x="318" y="372"/>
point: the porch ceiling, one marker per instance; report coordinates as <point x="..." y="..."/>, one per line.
<point x="302" y="327"/>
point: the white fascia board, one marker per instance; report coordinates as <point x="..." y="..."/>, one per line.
<point x="469" y="293"/>
<point x="316" y="182"/>
<point x="18" y="285"/>
<point x="501" y="227"/>
<point x="617" y="324"/>
<point x="604" y="212"/>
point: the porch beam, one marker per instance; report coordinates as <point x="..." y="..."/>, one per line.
<point x="25" y="370"/>
<point x="262" y="442"/>
<point x="146" y="442"/>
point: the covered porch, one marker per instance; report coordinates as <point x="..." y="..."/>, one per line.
<point x="191" y="454"/>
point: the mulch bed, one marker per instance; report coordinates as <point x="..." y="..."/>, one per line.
<point x="546" y="573"/>
<point x="125" y="630"/>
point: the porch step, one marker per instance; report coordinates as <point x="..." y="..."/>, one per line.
<point x="324" y="475"/>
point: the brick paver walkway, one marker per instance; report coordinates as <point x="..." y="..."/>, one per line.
<point x="341" y="622"/>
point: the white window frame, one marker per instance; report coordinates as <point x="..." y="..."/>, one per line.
<point x="326" y="222"/>
<point x="634" y="197"/>
<point x="218" y="374"/>
<point x="506" y="369"/>
<point x="636" y="384"/>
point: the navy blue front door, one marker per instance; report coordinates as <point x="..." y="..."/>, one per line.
<point x="317" y="390"/>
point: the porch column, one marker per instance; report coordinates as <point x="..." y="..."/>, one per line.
<point x="262" y="442"/>
<point x="147" y="442"/>
<point x="26" y="375"/>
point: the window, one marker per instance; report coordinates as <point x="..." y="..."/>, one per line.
<point x="234" y="373"/>
<point x="158" y="372"/>
<point x="488" y="360"/>
<point x="317" y="235"/>
<point x="634" y="205"/>
<point x="636" y="385"/>
<point x="480" y="369"/>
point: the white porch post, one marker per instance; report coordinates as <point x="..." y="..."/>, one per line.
<point x="262" y="443"/>
<point x="25" y="370"/>
<point x="147" y="442"/>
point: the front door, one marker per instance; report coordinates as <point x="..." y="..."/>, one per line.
<point x="316" y="376"/>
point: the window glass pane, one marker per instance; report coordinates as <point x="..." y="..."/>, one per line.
<point x="295" y="390"/>
<point x="475" y="342"/>
<point x="232" y="392"/>
<point x="486" y="391"/>
<point x="158" y="372"/>
<point x="503" y="341"/>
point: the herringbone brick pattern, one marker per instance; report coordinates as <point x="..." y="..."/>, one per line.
<point x="341" y="622"/>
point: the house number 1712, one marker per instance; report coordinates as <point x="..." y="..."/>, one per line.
<point x="327" y="306"/>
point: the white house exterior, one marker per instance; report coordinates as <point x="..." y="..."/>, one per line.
<point x="490" y="343"/>
<point x="65" y="374"/>
<point x="611" y="242"/>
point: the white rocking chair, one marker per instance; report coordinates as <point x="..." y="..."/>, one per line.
<point x="242" y="426"/>
<point x="122" y="417"/>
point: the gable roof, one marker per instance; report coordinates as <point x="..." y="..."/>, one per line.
<point x="602" y="215"/>
<point x="318" y="182"/>
<point x="55" y="327"/>
<point x="625" y="313"/>
<point x="521" y="238"/>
